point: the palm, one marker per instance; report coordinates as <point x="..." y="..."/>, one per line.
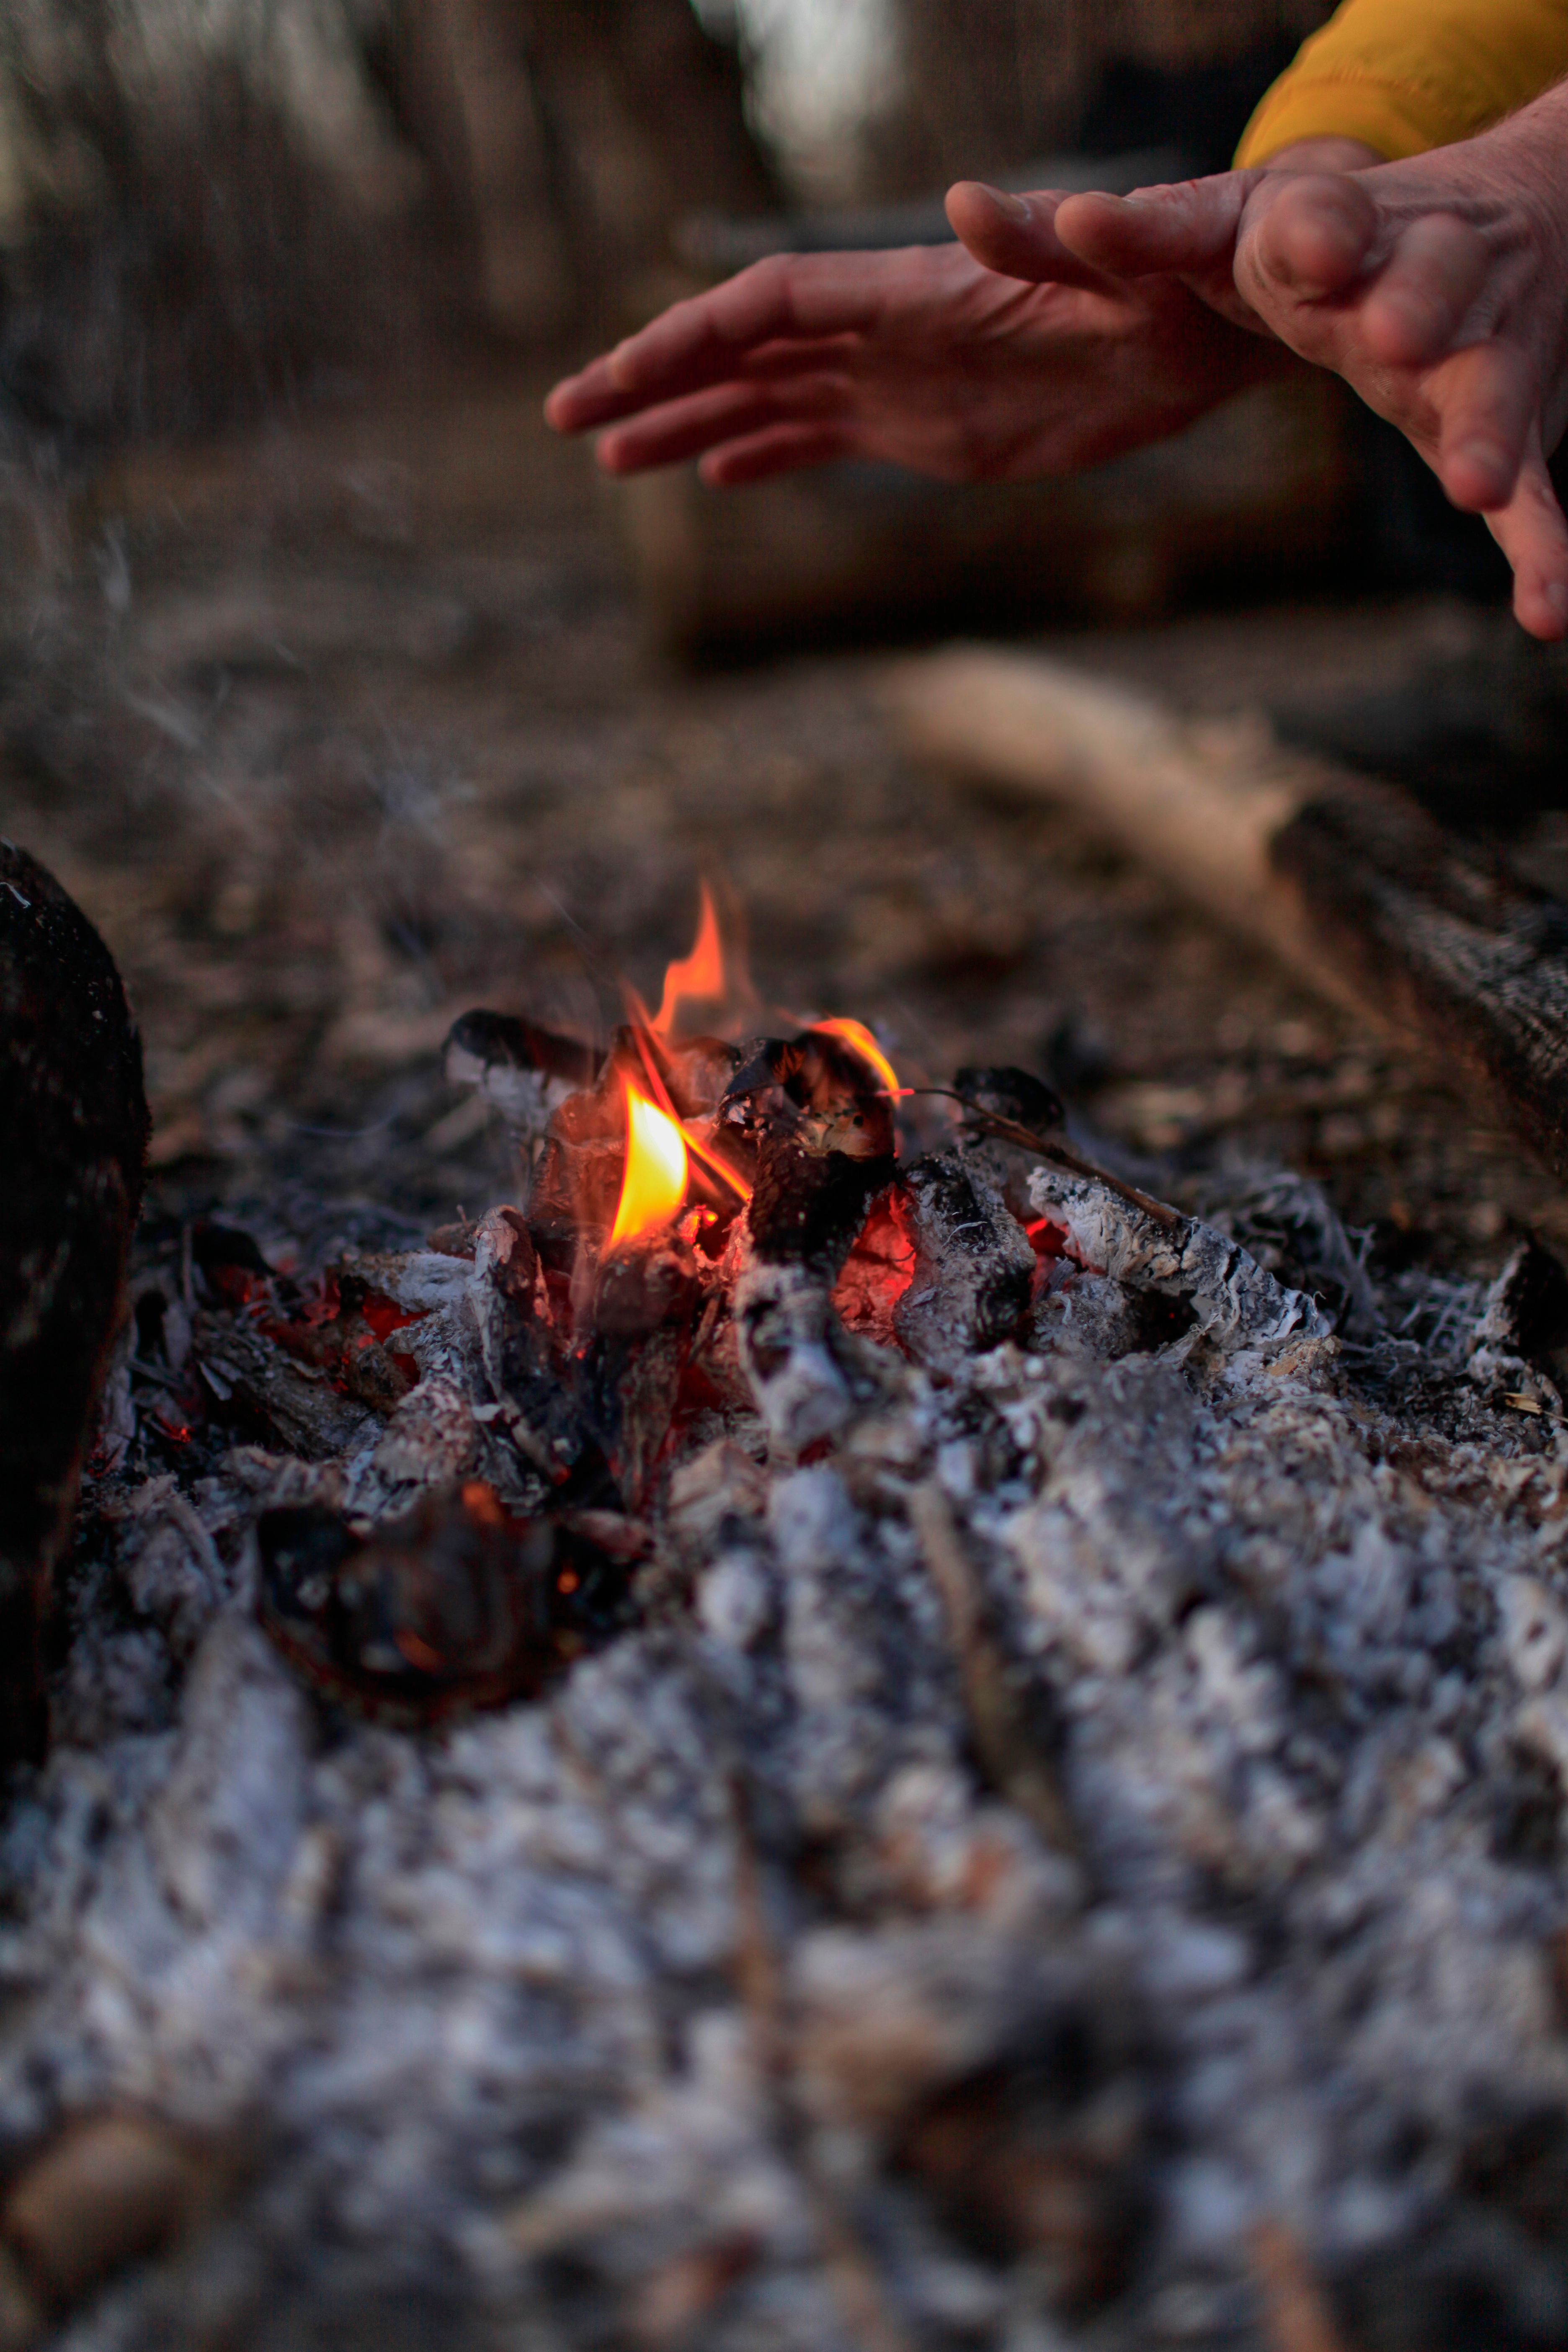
<point x="923" y="357"/>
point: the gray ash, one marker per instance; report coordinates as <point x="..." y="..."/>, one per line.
<point x="938" y="1756"/>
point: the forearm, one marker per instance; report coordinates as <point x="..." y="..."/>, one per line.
<point x="1403" y="76"/>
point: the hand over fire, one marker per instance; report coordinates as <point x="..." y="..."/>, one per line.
<point x="1437" y="286"/>
<point x="1064" y="330"/>
<point x="923" y="357"/>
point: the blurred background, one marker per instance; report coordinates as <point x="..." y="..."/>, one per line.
<point x="344" y="697"/>
<point x="212" y="210"/>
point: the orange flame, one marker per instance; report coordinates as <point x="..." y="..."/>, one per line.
<point x="858" y="1038"/>
<point x="700" y="975"/>
<point x="653" y="1186"/>
<point x="641" y="1032"/>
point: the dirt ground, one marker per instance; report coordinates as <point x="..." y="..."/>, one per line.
<point x="342" y="729"/>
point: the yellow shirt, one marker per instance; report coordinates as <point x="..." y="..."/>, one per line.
<point x="1406" y="75"/>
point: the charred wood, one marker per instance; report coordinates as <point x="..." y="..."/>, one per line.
<point x="973" y="1269"/>
<point x="1230" y="1300"/>
<point x="808" y="1207"/>
<point x="251" y="1382"/>
<point x="74" y="1114"/>
<point x="456" y="1606"/>
<point x="522" y="1071"/>
<point x="523" y="1366"/>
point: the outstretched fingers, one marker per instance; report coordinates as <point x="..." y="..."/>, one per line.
<point x="707" y="339"/>
<point x="1533" y="535"/>
<point x="1015" y="235"/>
<point x="1186" y="228"/>
<point x="711" y="420"/>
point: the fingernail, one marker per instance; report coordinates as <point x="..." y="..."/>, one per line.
<point x="1013" y="208"/>
<point x="1556" y="595"/>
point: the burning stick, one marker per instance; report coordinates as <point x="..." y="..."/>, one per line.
<point x="1008" y="1130"/>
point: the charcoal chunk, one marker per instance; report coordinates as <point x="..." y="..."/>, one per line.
<point x="974" y="1264"/>
<point x="522" y="1070"/>
<point x="74" y="1116"/>
<point x="456" y="1606"/>
<point x="808" y="1207"/>
<point x="1011" y="1093"/>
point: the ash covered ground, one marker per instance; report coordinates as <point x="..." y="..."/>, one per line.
<point x="1080" y="1864"/>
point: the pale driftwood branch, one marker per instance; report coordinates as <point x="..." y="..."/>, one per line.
<point x="1419" y="929"/>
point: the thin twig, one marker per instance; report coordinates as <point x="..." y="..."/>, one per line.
<point x="1296" y="2313"/>
<point x="1008" y="1130"/>
<point x="760" y="1981"/>
<point x="1004" y="1740"/>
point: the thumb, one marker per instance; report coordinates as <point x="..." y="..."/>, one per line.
<point x="1187" y="228"/>
<point x="1015" y="235"/>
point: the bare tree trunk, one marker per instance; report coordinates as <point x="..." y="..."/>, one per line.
<point x="585" y="133"/>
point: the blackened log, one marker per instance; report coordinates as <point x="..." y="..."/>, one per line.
<point x="808" y="1207"/>
<point x="457" y="1606"/>
<point x="251" y="1383"/>
<point x="1454" y="945"/>
<point x="73" y="1115"/>
<point x="533" y="1383"/>
<point x="636" y="1289"/>
<point x="974" y="1266"/>
<point x="522" y="1070"/>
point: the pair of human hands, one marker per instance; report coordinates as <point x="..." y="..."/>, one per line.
<point x="1062" y="330"/>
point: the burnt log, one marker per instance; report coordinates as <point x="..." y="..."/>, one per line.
<point x="455" y="1607"/>
<point x="974" y="1266"/>
<point x="255" y="1385"/>
<point x="1452" y="944"/>
<point x="1414" y="925"/>
<point x="524" y="1072"/>
<point x="74" y="1114"/>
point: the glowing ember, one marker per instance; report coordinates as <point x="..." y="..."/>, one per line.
<point x="699" y="976"/>
<point x="858" y="1038"/>
<point x="654" y="1187"/>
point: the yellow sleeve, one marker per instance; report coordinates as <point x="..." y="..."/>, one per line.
<point x="1406" y="75"/>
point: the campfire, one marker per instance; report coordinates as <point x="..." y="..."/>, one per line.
<point x="716" y="1240"/>
<point x="744" y="1733"/>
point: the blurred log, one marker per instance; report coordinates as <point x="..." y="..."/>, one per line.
<point x="1378" y="904"/>
<point x="1259" y="490"/>
<point x="719" y="243"/>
